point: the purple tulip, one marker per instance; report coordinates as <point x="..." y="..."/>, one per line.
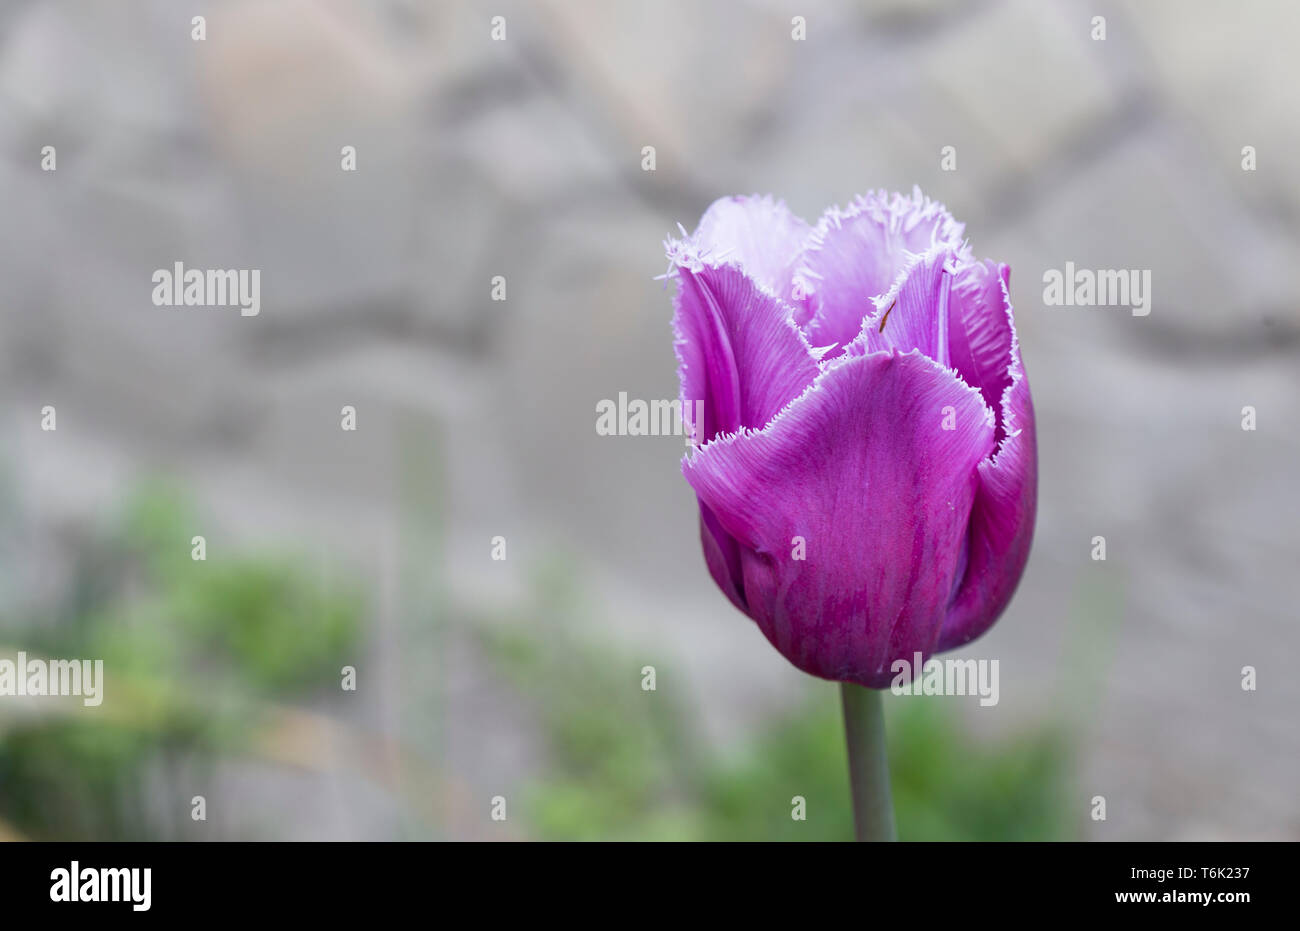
<point x="862" y="393"/>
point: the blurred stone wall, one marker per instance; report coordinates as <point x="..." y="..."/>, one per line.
<point x="522" y="158"/>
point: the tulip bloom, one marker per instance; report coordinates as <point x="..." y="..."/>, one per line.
<point x="864" y="457"/>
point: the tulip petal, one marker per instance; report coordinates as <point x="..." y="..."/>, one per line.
<point x="722" y="557"/>
<point x="743" y="360"/>
<point x="1002" y="518"/>
<point x="860" y="467"/>
<point x="760" y="235"/>
<point x="980" y="331"/>
<point x="913" y="314"/>
<point x="738" y="351"/>
<point x="856" y="254"/>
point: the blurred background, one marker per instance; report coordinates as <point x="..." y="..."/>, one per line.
<point x="521" y="678"/>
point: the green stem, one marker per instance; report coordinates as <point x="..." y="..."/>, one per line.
<point x="864" y="732"/>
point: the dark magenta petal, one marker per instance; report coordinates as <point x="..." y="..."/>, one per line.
<point x="722" y="556"/>
<point x="1002" y="519"/>
<point x="857" y="254"/>
<point x="738" y="351"/>
<point x="862" y="468"/>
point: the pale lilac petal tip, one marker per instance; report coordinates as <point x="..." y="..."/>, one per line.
<point x="855" y="254"/>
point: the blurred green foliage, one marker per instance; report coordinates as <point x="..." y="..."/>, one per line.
<point x="195" y="652"/>
<point x="191" y="651"/>
<point x="627" y="764"/>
